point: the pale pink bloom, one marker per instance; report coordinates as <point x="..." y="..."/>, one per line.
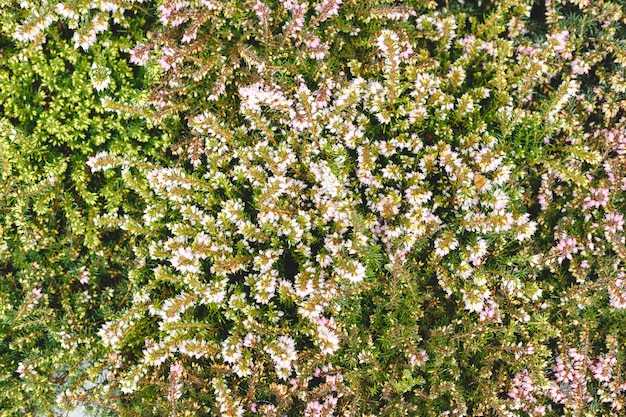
<point x="419" y="359"/>
<point x="84" y="276"/>
<point x="140" y="55"/>
<point x="407" y="52"/>
<point x="489" y="47"/>
<point x="566" y="247"/>
<point x="400" y="13"/>
<point x="602" y="368"/>
<point x="327" y="337"/>
<point x="315" y="48"/>
<point x="617" y="292"/>
<point x="467" y="42"/>
<point x="522" y="391"/>
<point x="613" y="222"/>
<point x="174" y="391"/>
<point x="580" y="66"/>
<point x="490" y="312"/>
<point x="262" y="12"/>
<point x="37" y="293"/>
<point x="328" y="8"/>
<point x="599" y="197"/>
<point x="21" y="369"/>
<point x="559" y="40"/>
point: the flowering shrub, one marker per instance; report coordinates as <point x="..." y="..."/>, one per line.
<point x="372" y="210"/>
<point x="61" y="276"/>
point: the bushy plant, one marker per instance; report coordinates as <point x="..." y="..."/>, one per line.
<point x="61" y="278"/>
<point x="375" y="210"/>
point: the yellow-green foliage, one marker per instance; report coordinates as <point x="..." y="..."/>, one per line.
<point x="57" y="273"/>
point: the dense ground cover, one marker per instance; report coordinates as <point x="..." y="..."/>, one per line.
<point x="342" y="208"/>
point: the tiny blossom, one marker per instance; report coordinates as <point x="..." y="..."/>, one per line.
<point x="37" y="294"/>
<point x="262" y="12"/>
<point x="84" y="276"/>
<point x="140" y="55"/>
<point x="598" y="198"/>
<point x="169" y="59"/>
<point x="298" y="11"/>
<point x="565" y="248"/>
<point x="353" y="272"/>
<point x="184" y="260"/>
<point x="283" y="353"/>
<point x="490" y="312"/>
<point x="84" y="40"/>
<point x="109" y="6"/>
<point x="99" y="23"/>
<point x="475" y="298"/>
<point x="385" y="39"/>
<point x="602" y="368"/>
<point x="325" y="409"/>
<point x="316" y="49"/>
<point x="478" y="252"/>
<point x="617" y="292"/>
<point x="100" y="77"/>
<point x="613" y="222"/>
<point x="443" y="246"/>
<point x="419" y="359"/>
<point x="231" y="351"/>
<point x="265" y="286"/>
<point x="328" y="8"/>
<point x="580" y="66"/>
<point x="229" y="405"/>
<point x="327" y="337"/>
<point x="66" y="11"/>
<point x="522" y="392"/>
<point x="22" y="369"/>
<point x="174" y="391"/>
<point x="558" y="40"/>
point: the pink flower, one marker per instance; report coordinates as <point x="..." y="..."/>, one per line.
<point x="328" y="8"/>
<point x="598" y="197"/>
<point x="174" y="390"/>
<point x="262" y="12"/>
<point x="84" y="276"/>
<point x="140" y="55"/>
<point x="613" y="222"/>
<point x="566" y="247"/>
<point x="315" y="48"/>
<point x="580" y="66"/>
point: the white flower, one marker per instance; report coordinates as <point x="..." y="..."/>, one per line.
<point x="443" y="246"/>
<point x="353" y="272"/>
<point x="84" y="40"/>
<point x="185" y="261"/>
<point x="84" y="276"/>
<point x="474" y="300"/>
<point x="283" y="353"/>
<point x="231" y="350"/>
<point x="327" y="337"/>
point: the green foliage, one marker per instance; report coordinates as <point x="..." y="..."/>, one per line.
<point x="356" y="208"/>
<point x="60" y="275"/>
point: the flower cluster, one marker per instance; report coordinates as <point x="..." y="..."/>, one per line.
<point x="368" y="210"/>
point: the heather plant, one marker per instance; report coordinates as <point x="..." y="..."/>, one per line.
<point x="373" y="210"/>
<point x="60" y="276"/>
